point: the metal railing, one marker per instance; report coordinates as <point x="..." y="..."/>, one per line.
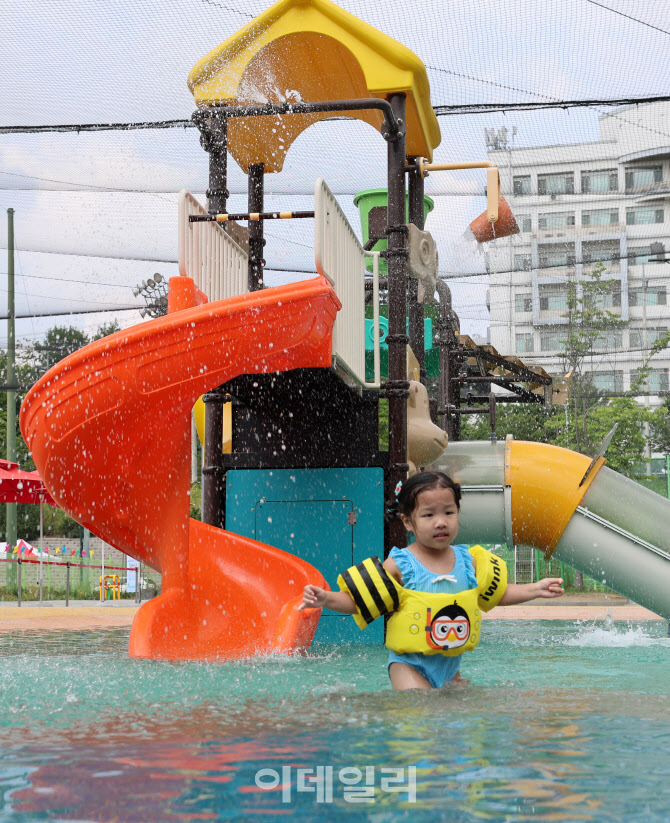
<point x="137" y="574"/>
<point x="341" y="258"/>
<point x="209" y="255"/>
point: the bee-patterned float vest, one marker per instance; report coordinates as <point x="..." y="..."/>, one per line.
<point x="430" y="623"/>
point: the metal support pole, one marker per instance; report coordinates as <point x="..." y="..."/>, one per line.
<point x="416" y="309"/>
<point x="256" y="241"/>
<point x="18" y="580"/>
<point x="214" y="140"/>
<point x="446" y="344"/>
<point x="41" y="543"/>
<point x="11" y="372"/>
<point x="213" y="488"/>
<point x="397" y="386"/>
<point x="67" y="583"/>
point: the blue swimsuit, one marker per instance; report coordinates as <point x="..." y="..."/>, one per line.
<point x="436" y="668"/>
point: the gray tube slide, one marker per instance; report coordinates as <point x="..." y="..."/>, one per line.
<point x="619" y="535"/>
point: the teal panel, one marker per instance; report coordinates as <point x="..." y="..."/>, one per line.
<point x="298" y="527"/>
<point x="307" y="512"/>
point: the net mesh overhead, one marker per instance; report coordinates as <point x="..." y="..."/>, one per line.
<point x="96" y="211"/>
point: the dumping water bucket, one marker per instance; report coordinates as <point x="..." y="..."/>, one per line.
<point x="484" y="230"/>
<point x="372" y="205"/>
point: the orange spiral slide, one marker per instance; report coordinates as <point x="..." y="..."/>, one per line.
<point x="109" y="430"/>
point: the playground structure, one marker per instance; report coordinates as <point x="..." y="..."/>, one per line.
<point x="110" y="587"/>
<point x="297" y="487"/>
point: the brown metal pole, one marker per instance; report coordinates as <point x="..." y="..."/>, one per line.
<point x="214" y="139"/>
<point x="416" y="310"/>
<point x="256" y="241"/>
<point x="213" y="472"/>
<point x="397" y="386"/>
<point x="446" y="343"/>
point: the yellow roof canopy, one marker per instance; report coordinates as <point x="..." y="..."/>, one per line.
<point x="309" y="50"/>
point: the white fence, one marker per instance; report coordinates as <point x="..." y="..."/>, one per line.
<point x="209" y="255"/>
<point x="341" y="258"/>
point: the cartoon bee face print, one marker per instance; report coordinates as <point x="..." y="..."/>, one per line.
<point x="449" y="629"/>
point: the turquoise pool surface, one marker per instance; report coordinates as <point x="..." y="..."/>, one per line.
<point x="562" y="722"/>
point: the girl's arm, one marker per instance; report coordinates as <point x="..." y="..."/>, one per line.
<point x="314" y="597"/>
<point x="522" y="592"/>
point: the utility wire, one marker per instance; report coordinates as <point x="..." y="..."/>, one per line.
<point x="627" y="16"/>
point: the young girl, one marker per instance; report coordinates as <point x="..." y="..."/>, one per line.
<point x="429" y="503"/>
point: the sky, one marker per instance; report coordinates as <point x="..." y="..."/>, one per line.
<point x="96" y="213"/>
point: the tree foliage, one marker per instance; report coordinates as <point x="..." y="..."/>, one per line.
<point x="660" y="428"/>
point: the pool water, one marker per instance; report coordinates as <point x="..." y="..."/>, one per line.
<point x="562" y="721"/>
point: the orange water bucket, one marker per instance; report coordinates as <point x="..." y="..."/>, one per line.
<point x="485" y="230"/>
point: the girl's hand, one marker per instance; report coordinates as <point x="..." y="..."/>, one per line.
<point x="550" y="587"/>
<point x="313" y="598"/>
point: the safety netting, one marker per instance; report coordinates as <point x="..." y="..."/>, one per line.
<point x="557" y="93"/>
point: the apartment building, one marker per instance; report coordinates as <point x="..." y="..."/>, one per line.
<point x="576" y="205"/>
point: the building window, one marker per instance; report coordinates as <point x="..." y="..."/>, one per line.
<point x="600" y="217"/>
<point x="639" y="255"/>
<point x="610" y="299"/>
<point x="643" y="176"/>
<point x="553" y="298"/>
<point x="524" y="342"/>
<point x="595" y="182"/>
<point x="522" y="184"/>
<point x="523" y="302"/>
<point x="609" y="340"/>
<point x="653" y="336"/>
<point x="556" y="220"/>
<point x="552" y="341"/>
<point x="523" y="221"/>
<point x="643" y="215"/>
<point x="658" y="380"/>
<point x="607" y="381"/>
<point x="523" y="262"/>
<point x="651" y="296"/>
<point x="601" y="251"/>
<point x="556" y="254"/>
<point x="563" y="183"/>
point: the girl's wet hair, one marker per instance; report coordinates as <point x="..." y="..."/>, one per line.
<point x="421" y="482"/>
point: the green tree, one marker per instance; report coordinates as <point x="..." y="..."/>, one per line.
<point x="589" y="322"/>
<point x="524" y="421"/>
<point x="106" y="329"/>
<point x="58" y="342"/>
<point x="588" y="317"/>
<point x="659" y="425"/>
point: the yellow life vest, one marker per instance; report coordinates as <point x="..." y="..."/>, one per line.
<point x="426" y="622"/>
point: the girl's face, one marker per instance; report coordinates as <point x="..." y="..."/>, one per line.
<point x="434" y="520"/>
